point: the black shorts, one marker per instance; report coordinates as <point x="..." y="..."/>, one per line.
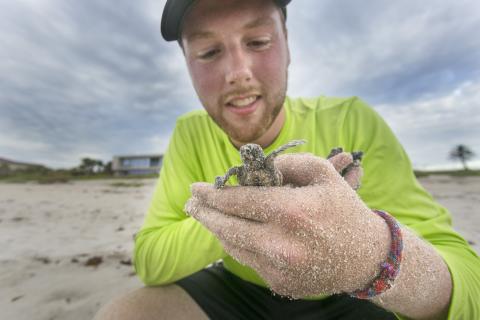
<point x="222" y="295"/>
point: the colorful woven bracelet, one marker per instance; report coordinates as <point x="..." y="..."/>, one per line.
<point x="389" y="268"/>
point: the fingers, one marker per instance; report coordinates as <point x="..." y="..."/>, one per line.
<point x="306" y="169"/>
<point x="353" y="176"/>
<point x="341" y="161"/>
<point x="260" y="263"/>
<point x="281" y="274"/>
<point x="259" y="204"/>
<point x="225" y="227"/>
<point x="270" y="252"/>
<point x="302" y="169"/>
<point x="266" y="240"/>
<point x="349" y="167"/>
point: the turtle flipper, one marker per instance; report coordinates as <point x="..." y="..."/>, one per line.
<point x="356" y="155"/>
<point x="334" y="152"/>
<point x="279" y="150"/>
<point x="220" y="181"/>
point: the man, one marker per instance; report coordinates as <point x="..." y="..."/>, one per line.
<point x="313" y="238"/>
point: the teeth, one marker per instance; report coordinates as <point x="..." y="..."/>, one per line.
<point x="243" y="102"/>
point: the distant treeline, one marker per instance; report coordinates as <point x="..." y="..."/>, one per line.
<point x="87" y="169"/>
<point x="96" y="169"/>
<point x="454" y="173"/>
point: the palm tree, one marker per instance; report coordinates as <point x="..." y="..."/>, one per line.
<point x="462" y="153"/>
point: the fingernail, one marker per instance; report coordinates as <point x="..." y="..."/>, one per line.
<point x="190" y="206"/>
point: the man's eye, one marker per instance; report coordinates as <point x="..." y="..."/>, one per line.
<point x="259" y="44"/>
<point x="208" y="54"/>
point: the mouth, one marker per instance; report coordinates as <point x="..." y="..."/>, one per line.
<point x="243" y="105"/>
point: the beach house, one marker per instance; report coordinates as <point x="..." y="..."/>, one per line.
<point x="136" y="164"/>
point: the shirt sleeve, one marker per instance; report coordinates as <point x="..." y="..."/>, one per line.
<point x="390" y="184"/>
<point x="170" y="244"/>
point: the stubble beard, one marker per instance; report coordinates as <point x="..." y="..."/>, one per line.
<point x="250" y="132"/>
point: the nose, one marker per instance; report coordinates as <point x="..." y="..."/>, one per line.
<point x="238" y="67"/>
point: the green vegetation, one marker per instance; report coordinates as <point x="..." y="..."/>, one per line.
<point x="459" y="152"/>
<point x="89" y="169"/>
<point x="65" y="176"/>
<point x="453" y="173"/>
<point x="134" y="184"/>
<point x="92" y="169"/>
<point x="463" y="153"/>
<point x="43" y="178"/>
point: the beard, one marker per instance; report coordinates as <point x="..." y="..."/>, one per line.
<point x="250" y="128"/>
<point x="250" y="131"/>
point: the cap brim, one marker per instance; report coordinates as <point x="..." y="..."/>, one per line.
<point x="174" y="11"/>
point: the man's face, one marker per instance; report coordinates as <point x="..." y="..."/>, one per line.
<point x="237" y="55"/>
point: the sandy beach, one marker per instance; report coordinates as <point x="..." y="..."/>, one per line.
<point x="66" y="248"/>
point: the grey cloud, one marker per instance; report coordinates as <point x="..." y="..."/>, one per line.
<point x="430" y="127"/>
<point x="92" y="74"/>
<point x="384" y="51"/>
<point x="95" y="78"/>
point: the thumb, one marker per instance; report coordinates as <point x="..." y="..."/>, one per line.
<point x="341" y="161"/>
<point x="303" y="169"/>
<point x="348" y="167"/>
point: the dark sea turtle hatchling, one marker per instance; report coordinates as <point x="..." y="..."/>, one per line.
<point x="257" y="169"/>
<point x="260" y="170"/>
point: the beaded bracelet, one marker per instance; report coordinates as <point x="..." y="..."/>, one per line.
<point x="389" y="268"/>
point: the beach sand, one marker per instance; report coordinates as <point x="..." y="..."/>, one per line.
<point x="66" y="248"/>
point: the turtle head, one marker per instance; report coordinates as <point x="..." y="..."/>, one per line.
<point x="251" y="152"/>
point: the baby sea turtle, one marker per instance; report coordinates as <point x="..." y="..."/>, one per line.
<point x="260" y="170"/>
<point x="257" y="169"/>
<point x="356" y="155"/>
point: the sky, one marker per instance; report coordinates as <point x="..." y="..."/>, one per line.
<point x="94" y="78"/>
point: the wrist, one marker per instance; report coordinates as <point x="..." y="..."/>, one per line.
<point x="390" y="266"/>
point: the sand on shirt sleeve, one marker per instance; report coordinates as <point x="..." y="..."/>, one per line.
<point x="390" y="184"/>
<point x="170" y="244"/>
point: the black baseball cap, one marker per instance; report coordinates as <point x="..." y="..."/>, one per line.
<point x="175" y="10"/>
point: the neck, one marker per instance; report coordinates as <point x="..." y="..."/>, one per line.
<point x="270" y="135"/>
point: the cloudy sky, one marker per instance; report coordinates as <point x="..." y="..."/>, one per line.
<point x="94" y="77"/>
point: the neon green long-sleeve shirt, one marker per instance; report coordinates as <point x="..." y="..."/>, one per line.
<point x="172" y="245"/>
